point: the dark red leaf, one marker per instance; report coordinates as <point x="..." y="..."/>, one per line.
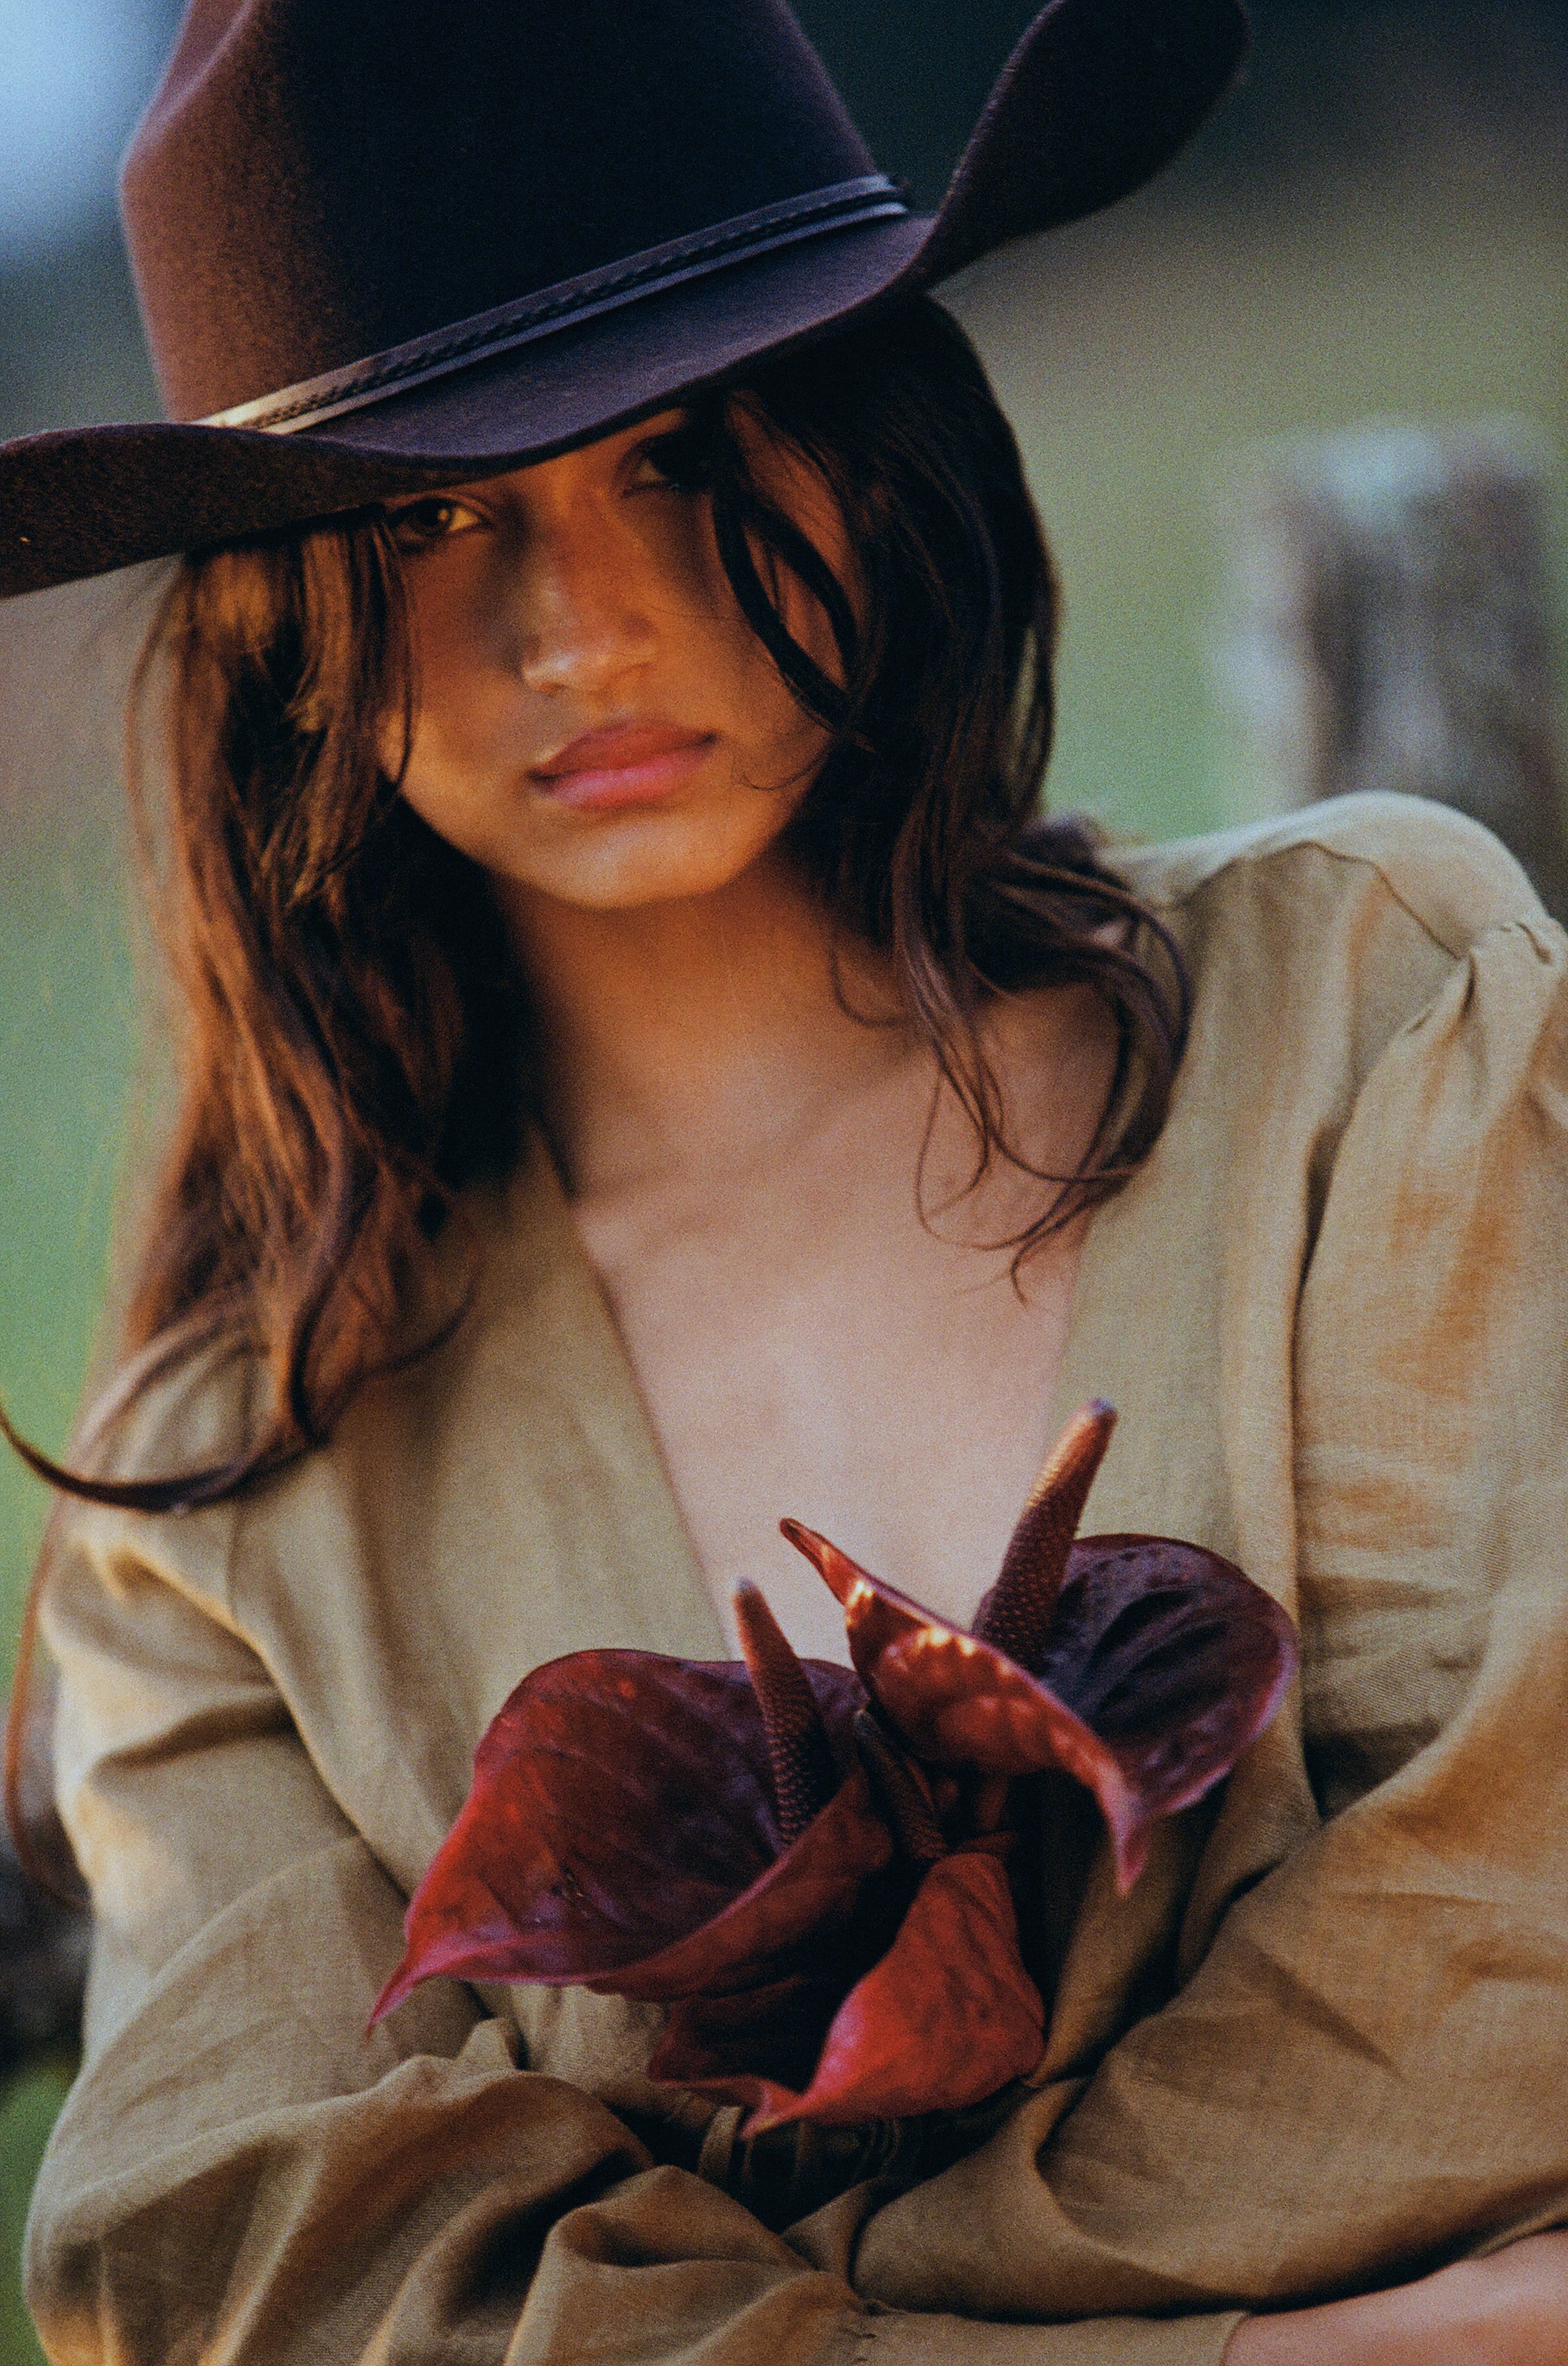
<point x="875" y="1613"/>
<point x="957" y="1702"/>
<point x="1177" y="1659"/>
<point x="946" y="2016"/>
<point x="810" y="1899"/>
<point x="1162" y="1665"/>
<point x="622" y="1803"/>
<point x="967" y="1706"/>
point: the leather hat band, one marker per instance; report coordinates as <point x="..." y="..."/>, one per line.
<point x="458" y="347"/>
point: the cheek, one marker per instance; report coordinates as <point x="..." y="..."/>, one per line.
<point x="403" y="737"/>
<point x="451" y="776"/>
<point x="704" y="617"/>
<point x="465" y="706"/>
<point x="775" y="740"/>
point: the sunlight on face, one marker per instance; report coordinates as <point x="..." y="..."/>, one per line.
<point x="595" y="721"/>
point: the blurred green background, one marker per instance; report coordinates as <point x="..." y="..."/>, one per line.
<point x="1376" y="228"/>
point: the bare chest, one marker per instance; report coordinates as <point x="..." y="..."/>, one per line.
<point x="806" y="1346"/>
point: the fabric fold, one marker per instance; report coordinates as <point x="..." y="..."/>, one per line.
<point x="1320" y="2043"/>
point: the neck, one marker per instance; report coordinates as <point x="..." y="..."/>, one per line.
<point x="696" y="1035"/>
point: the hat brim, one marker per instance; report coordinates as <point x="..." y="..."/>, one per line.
<point x="83" y="501"/>
<point x="1096" y="97"/>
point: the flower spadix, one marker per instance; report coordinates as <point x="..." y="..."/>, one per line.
<point x="810" y="1866"/>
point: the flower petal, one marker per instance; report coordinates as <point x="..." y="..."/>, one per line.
<point x="736" y="2047"/>
<point x="621" y="1801"/>
<point x="964" y="1705"/>
<point x="1163" y="1665"/>
<point x="957" y="1702"/>
<point x="946" y="2016"/>
<point x="1176" y="1659"/>
<point x="817" y="1900"/>
<point x="875" y="1613"/>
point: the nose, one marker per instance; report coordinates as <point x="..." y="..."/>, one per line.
<point x="583" y="617"/>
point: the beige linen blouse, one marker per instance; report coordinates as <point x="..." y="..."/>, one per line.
<point x="1323" y="2043"/>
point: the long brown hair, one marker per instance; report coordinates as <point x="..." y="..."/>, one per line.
<point x="351" y="1018"/>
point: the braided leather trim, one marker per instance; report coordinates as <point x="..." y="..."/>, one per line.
<point x="312" y="400"/>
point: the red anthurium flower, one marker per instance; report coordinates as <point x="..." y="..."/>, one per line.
<point x="624" y="1830"/>
<point x="940" y="2020"/>
<point x="809" y="1866"/>
<point x="1141" y="1666"/>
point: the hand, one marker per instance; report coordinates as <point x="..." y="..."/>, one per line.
<point x="1508" y="2310"/>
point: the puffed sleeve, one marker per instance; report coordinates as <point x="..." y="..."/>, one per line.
<point x="242" y="2172"/>
<point x="1366" y="2070"/>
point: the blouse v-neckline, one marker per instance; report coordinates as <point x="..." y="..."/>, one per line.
<point x="661" y="1593"/>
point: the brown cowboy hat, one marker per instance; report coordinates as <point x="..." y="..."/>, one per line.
<point x="382" y="243"/>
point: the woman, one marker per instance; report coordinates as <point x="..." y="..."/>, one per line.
<point x="648" y="1074"/>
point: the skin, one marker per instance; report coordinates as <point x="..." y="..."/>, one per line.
<point x="1508" y="2310"/>
<point x="740" y="1152"/>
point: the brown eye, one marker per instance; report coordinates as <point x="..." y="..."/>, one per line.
<point x="676" y="462"/>
<point x="432" y="518"/>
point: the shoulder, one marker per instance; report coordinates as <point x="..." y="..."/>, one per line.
<point x="180" y="1405"/>
<point x="1344" y="921"/>
<point x="1438" y="874"/>
<point x="202" y="1400"/>
<point x="174" y="1411"/>
<point x="1317" y="942"/>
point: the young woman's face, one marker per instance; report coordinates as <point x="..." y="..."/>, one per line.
<point x="596" y="722"/>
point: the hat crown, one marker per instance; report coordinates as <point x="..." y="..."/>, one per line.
<point x="317" y="180"/>
<point x="383" y="243"/>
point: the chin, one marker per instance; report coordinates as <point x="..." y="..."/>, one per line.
<point x="626" y="870"/>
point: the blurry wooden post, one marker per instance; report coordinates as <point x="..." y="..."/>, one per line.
<point x="1390" y="626"/>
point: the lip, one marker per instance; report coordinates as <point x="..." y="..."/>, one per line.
<point x="630" y="764"/>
